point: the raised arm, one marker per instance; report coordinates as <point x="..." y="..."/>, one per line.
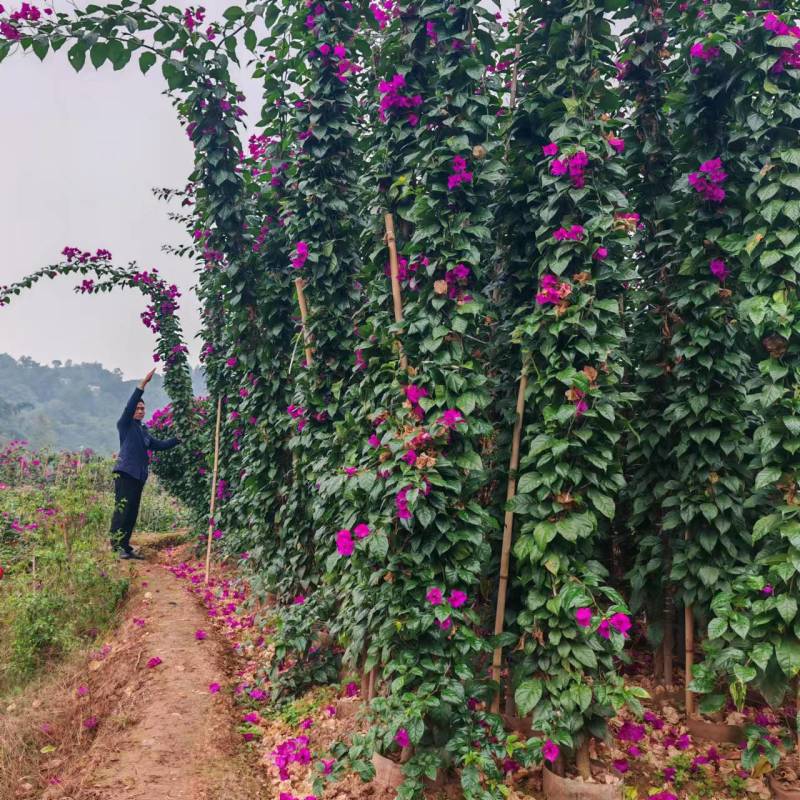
<point x="130" y="408"/>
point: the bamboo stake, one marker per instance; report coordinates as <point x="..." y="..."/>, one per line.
<point x="300" y="284"/>
<point x="508" y="528"/>
<point x="391" y="241"/>
<point x="213" y="489"/>
<point x="371" y="687"/>
<point x="688" y="616"/>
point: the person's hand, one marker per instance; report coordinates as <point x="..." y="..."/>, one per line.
<point x="147" y="378"/>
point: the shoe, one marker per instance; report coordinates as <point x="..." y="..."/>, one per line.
<point x="124" y="554"/>
<point x="137" y="556"/>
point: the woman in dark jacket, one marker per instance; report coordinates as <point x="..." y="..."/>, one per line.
<point x="131" y="469"/>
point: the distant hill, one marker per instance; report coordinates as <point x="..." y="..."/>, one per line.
<point x="66" y="406"/>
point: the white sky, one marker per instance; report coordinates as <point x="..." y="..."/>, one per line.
<point x="79" y="154"/>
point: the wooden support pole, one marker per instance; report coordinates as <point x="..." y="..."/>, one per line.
<point x="300" y="285"/>
<point x="391" y="241"/>
<point x="213" y="489"/>
<point x="508" y="528"/>
<point x="688" y="616"/>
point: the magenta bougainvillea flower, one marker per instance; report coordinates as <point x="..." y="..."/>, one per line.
<point x="374" y="441"/>
<point x="91" y="722"/>
<point x="351" y="690"/>
<point x="361" y="530"/>
<point x="709" y="183"/>
<point x="200" y="634"/>
<point x="153" y="662"/>
<point x="301" y="250"/>
<point x="213" y="687"/>
<point x="459" y="175"/>
<point x="344" y="542"/>
<point x="620" y="622"/>
<point x="401" y="503"/>
<point x="583" y="616"/>
<point x="704" y="52"/>
<point x="444" y="624"/>
<point x="600" y="254"/>
<point x="299" y="600"/>
<point x="574" y="233"/>
<point x="768" y="590"/>
<point x="552" y="291"/>
<point x="450" y="418"/>
<point x="401" y="737"/>
<point x="394" y="102"/>
<point x="434" y="596"/>
<point x="550" y="751"/>
<point x="616" y="144"/>
<point x="718" y="269"/>
<point x="82" y="691"/>
<point x="550" y="149"/>
<point x="457" y="598"/>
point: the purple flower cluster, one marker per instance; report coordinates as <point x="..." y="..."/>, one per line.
<point x="292" y="751"/>
<point x="574" y="234"/>
<point x="460" y="174"/>
<point x="704" y="52"/>
<point x="393" y="99"/>
<point x="552" y="291"/>
<point x="301" y="251"/>
<point x="574" y="166"/>
<point x="708" y="182"/>
<point x="788" y="57"/>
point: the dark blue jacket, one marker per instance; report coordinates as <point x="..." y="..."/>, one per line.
<point x="135" y="440"/>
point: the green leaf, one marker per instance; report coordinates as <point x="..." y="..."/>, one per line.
<point x="787" y="652"/>
<point x="233" y="13"/>
<point x="712" y="703"/>
<point x="603" y="503"/>
<point x="791" y="156"/>
<point x="528" y="695"/>
<point x="767" y="476"/>
<point x="77" y="56"/>
<point x="764" y="525"/>
<point x="98" y="54"/>
<point x="717" y="628"/>
<point x="146" y="60"/>
<point x="787" y="607"/>
<point x="528" y="482"/>
<point x="708" y="575"/>
<point x="250" y="40"/>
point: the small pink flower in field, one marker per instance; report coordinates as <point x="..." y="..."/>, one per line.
<point x="339" y="51"/>
<point x="258" y="694"/>
<point x="344" y="542"/>
<point x="248" y="737"/>
<point x="327" y="765"/>
<point x="434" y="596"/>
<point x="351" y="690"/>
<point x="457" y="598"/>
<point x="90" y="722"/>
<point x="768" y="590"/>
<point x="299" y="599"/>
<point x="138" y="622"/>
<point x="231" y="362"/>
<point x="550" y="149"/>
<point x="621" y="765"/>
<point x="444" y="624"/>
<point x="583" y="616"/>
<point x="374" y="441"/>
<point x="330" y="711"/>
<point x="633" y="751"/>
<point x="600" y="254"/>
<point x="213" y="688"/>
<point x="153" y="662"/>
<point x="306" y="723"/>
<point x="351" y="471"/>
<point x="361" y="530"/>
<point x="401" y="737"/>
<point x="252" y="717"/>
<point x="603" y="629"/>
<point x="324" y="49"/>
<point x="200" y="634"/>
<point x="550" y="751"/>
<point x="83" y="691"/>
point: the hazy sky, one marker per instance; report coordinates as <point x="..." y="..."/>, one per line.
<point x="80" y="153"/>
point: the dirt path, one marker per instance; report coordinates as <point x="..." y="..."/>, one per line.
<point x="168" y="737"/>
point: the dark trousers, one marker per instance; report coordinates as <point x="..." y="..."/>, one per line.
<point x="127" y="496"/>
